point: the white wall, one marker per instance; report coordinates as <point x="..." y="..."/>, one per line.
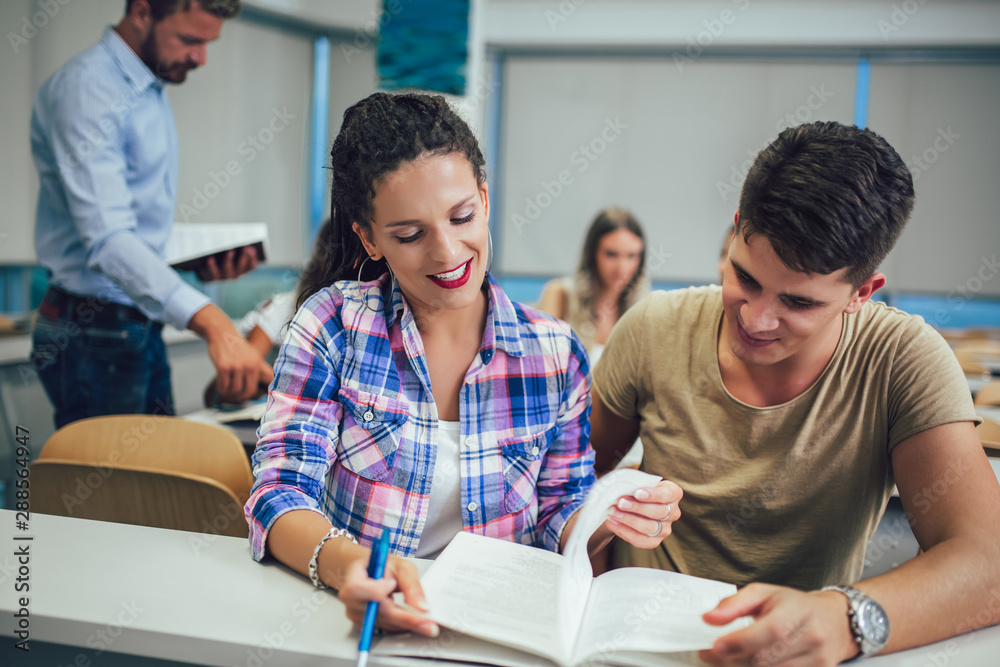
<point x="19" y="186"/>
<point x="353" y="76"/>
<point x="671" y="145"/>
<point x="942" y="118"/>
<point x="252" y="71"/>
<point x="701" y="87"/>
<point x="249" y="109"/>
<point x="348" y="15"/>
<point x="715" y="24"/>
<point x="245" y="81"/>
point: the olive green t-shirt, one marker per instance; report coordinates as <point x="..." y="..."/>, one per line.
<point x="787" y="494"/>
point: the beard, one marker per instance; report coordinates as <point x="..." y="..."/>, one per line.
<point x="149" y="53"/>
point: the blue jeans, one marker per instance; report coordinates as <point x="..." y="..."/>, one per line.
<point x="102" y="368"/>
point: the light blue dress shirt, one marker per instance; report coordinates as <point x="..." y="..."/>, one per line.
<point x="105" y="144"/>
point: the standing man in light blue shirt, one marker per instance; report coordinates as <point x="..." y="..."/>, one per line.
<point x="105" y="144"/>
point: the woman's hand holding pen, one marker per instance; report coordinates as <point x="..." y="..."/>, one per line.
<point x="401" y="576"/>
<point x="646" y="517"/>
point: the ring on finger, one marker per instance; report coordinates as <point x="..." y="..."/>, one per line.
<point x="659" y="529"/>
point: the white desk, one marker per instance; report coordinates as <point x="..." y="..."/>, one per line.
<point x="176" y="595"/>
<point x="194" y="598"/>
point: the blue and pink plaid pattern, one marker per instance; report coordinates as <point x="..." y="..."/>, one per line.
<point x="350" y="427"/>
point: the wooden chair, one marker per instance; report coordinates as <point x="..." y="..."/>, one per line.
<point x="989" y="435"/>
<point x="146" y="470"/>
<point x="989" y="394"/>
<point x="971" y="363"/>
<point x="981" y="334"/>
<point x="980" y="348"/>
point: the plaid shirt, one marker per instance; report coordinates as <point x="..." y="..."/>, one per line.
<point x="350" y="429"/>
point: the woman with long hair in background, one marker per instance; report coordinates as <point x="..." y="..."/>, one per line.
<point x="610" y="278"/>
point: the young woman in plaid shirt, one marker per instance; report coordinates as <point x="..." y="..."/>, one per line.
<point x="410" y="393"/>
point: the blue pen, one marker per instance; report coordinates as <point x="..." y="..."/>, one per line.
<point x="376" y="568"/>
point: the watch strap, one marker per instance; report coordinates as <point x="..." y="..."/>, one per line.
<point x="855" y="599"/>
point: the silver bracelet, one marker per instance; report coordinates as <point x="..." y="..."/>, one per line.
<point x="314" y="561"/>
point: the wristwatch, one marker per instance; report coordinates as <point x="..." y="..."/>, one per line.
<point x="869" y="622"/>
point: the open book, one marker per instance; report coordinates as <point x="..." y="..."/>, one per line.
<point x="550" y="605"/>
<point x="191" y="243"/>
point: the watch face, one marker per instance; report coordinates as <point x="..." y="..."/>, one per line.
<point x="873" y="623"/>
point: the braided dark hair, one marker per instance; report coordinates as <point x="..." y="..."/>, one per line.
<point x="378" y="134"/>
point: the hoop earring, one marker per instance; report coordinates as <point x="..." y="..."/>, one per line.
<point x="392" y="277"/>
<point x="490" y="236"/>
<point x="360" y="268"/>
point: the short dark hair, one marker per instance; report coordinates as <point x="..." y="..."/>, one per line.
<point x="380" y="133"/>
<point x="160" y="9"/>
<point x="828" y="196"/>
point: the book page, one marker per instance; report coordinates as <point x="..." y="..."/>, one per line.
<point x="497" y="590"/>
<point x="454" y="646"/>
<point x="641" y="609"/>
<point x="639" y="659"/>
<point x="578" y="573"/>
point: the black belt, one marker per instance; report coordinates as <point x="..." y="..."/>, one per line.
<point x="58" y="304"/>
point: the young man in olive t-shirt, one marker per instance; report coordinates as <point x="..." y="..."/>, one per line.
<point x="787" y="405"/>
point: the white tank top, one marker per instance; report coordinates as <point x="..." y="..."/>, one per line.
<point x="444" y="515"/>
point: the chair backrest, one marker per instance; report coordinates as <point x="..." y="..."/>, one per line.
<point x="144" y="469"/>
<point x="971" y="363"/>
<point x="989" y="435"/>
<point x="981" y="334"/>
<point x="141" y="497"/>
<point x="151" y="442"/>
<point x="989" y="394"/>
